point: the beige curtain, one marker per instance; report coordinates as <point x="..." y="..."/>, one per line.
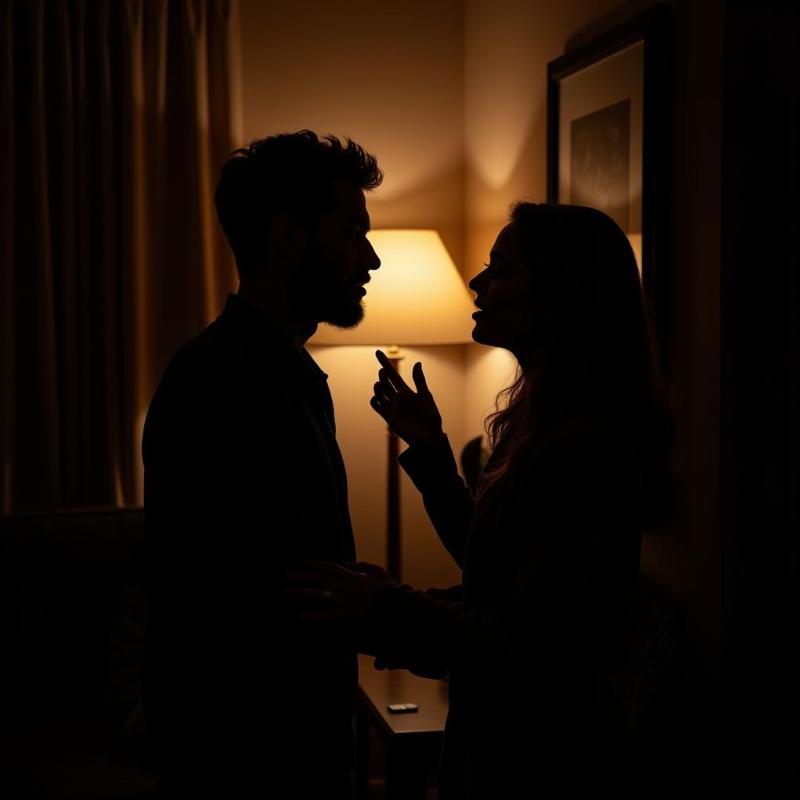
<point x="115" y="118"/>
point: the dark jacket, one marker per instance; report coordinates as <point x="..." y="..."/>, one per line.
<point x="243" y="478"/>
<point x="550" y="559"/>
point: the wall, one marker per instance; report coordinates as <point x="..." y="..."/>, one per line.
<point x="390" y="76"/>
<point x="387" y="74"/>
<point x="507" y="48"/>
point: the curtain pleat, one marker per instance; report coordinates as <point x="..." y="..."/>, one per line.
<point x="34" y="447"/>
<point x="116" y="118"/>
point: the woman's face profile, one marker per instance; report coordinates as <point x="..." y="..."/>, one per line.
<point x="503" y="299"/>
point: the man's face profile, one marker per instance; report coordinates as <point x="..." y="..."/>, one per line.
<point x="338" y="260"/>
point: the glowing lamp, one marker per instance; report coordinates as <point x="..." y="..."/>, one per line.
<point x="416" y="297"/>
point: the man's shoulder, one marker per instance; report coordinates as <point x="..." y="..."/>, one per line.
<point x="188" y="379"/>
<point x="218" y="368"/>
<point x="207" y="351"/>
<point x="207" y="385"/>
<point x="209" y="361"/>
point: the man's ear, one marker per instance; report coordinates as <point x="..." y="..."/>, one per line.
<point x="288" y="237"/>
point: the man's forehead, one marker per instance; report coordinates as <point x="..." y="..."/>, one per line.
<point x="349" y="206"/>
<point x="349" y="198"/>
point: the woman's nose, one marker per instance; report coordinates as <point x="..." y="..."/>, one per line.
<point x="475" y="283"/>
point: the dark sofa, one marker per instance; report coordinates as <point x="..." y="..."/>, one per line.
<point x="73" y="615"/>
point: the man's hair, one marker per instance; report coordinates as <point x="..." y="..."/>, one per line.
<point x="292" y="173"/>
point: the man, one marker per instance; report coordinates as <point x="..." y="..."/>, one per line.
<point x="243" y="479"/>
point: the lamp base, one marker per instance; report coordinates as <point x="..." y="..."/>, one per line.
<point x="393" y="542"/>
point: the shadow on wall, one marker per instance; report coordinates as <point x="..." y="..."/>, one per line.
<point x="607" y="22"/>
<point x="427" y="204"/>
<point x="493" y="184"/>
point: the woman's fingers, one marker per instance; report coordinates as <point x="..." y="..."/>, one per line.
<point x="391" y="380"/>
<point x="389" y="372"/>
<point x="378" y="406"/>
<point x="390" y="383"/>
<point x="384" y="360"/>
<point x="419" y="379"/>
<point x="384" y="391"/>
<point x="382" y="399"/>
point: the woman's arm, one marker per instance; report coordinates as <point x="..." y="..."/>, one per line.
<point x="448" y="501"/>
<point x="564" y="571"/>
<point x="414" y="417"/>
<point x="568" y="569"/>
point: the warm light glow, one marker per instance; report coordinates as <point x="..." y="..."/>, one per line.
<point x="416" y="297"/>
<point x="636" y="244"/>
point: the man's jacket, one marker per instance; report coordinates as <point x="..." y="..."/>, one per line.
<point x="243" y="479"/>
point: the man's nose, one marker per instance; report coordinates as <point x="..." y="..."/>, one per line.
<point x="373" y="262"/>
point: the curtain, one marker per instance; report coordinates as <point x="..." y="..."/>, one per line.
<point x="115" y="116"/>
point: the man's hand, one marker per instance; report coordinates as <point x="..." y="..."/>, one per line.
<point x="413" y="416"/>
<point x="336" y="593"/>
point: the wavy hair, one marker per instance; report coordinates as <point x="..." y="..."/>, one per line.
<point x="600" y="349"/>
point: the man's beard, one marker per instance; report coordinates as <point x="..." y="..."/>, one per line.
<point x="323" y="297"/>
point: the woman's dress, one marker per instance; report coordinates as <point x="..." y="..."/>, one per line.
<point x="550" y="559"/>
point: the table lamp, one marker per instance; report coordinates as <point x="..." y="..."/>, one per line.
<point x="417" y="297"/>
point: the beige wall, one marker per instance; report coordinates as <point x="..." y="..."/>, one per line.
<point x="388" y="74"/>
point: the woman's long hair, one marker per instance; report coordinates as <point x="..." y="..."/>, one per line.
<point x="599" y="349"/>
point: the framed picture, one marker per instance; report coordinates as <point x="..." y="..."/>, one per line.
<point x="608" y="122"/>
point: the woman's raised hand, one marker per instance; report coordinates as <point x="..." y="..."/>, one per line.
<point x="413" y="416"/>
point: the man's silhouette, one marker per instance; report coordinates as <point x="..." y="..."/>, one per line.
<point x="243" y="478"/>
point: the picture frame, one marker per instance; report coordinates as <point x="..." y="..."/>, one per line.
<point x="608" y="142"/>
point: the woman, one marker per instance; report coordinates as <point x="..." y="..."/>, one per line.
<point x="549" y="546"/>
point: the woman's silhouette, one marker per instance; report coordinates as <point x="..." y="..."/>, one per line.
<point x="549" y="545"/>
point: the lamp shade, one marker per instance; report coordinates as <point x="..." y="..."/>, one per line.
<point x="416" y="297"/>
